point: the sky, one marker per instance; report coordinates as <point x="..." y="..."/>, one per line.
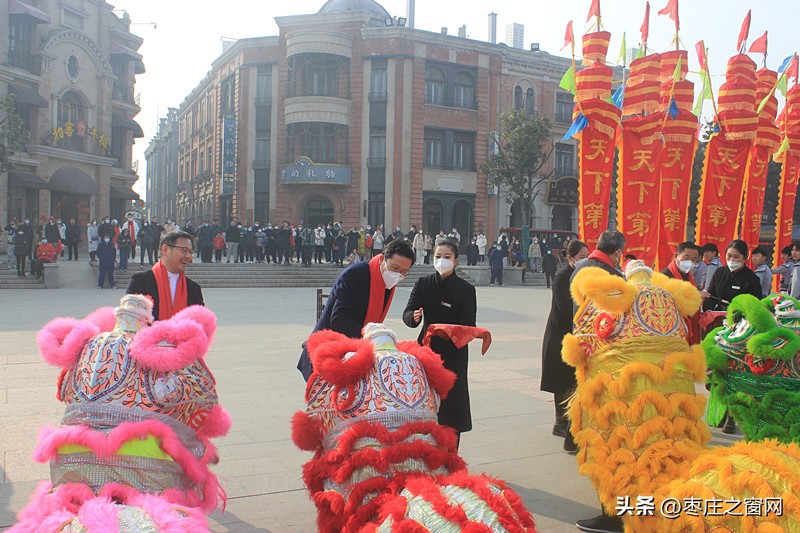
<point x="187" y="38"/>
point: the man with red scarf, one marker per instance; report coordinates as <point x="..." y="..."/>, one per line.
<point x="607" y="256"/>
<point x="362" y="294"/>
<point x="133" y="231"/>
<point x="686" y="256"/>
<point x="166" y="284"/>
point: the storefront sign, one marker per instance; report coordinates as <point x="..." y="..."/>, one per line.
<point x="306" y="171"/>
<point x="228" y="153"/>
<point x="563" y="191"/>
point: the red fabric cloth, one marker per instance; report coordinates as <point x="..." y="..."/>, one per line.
<point x="601" y="256"/>
<point x="707" y="318"/>
<point x="132" y="231"/>
<point x="166" y="307"/>
<point x="459" y="335"/>
<point x="377" y="308"/>
<point x="46" y="253"/>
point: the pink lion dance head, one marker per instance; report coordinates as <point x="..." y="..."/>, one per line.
<point x="141" y="405"/>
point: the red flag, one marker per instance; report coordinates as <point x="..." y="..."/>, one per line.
<point x="701" y="54"/>
<point x="671" y="10"/>
<point x="594" y="10"/>
<point x="792" y="70"/>
<point x="568" y="37"/>
<point x="744" y="32"/>
<point x="645" y="29"/>
<point x="759" y="46"/>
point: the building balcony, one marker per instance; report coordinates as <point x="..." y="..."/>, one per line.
<point x="376" y="162"/>
<point x="260" y="164"/>
<point x="22" y="61"/>
<point x="318" y="109"/>
<point x="449" y="165"/>
<point x="120" y="93"/>
<point x="263" y="101"/>
<point x="453" y="102"/>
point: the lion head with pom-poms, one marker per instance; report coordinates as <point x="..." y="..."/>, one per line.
<point x="635" y="414"/>
<point x="755" y="358"/>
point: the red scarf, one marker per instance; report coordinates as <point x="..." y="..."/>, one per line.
<point x="166" y="307"/>
<point x="377" y="309"/>
<point x="459" y="335"/>
<point x="602" y="257"/>
<point x="131" y="231"/>
<point x="677" y="274"/>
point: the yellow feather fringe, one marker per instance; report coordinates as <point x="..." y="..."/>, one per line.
<point x="686" y="295"/>
<point x="609" y="293"/>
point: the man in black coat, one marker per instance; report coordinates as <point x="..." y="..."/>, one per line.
<point x="205" y="239"/>
<point x="348" y="300"/>
<point x="106" y="229"/>
<point x="607" y="256"/>
<point x="176" y="254"/>
<point x="73" y="238"/>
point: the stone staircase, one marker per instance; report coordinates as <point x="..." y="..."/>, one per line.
<point x="10" y="280"/>
<point x="254" y="275"/>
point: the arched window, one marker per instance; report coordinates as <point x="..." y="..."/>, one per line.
<point x="530" y="102"/>
<point x="434" y="86"/>
<point x="518" y="97"/>
<point x="70" y="109"/>
<point x="464" y="90"/>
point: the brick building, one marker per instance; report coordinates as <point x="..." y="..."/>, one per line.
<point x="346" y="115"/>
<point x="71" y="65"/>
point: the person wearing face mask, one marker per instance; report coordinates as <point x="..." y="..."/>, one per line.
<point x="106" y="229"/>
<point x="93" y="239"/>
<point x="496" y="257"/>
<point x="481" y="242"/>
<point x="687" y="254"/>
<point x="133" y="230"/>
<point x="418" y="243"/>
<point x="444" y="298"/>
<point x="62" y="230"/>
<point x="23" y="239"/>
<point x="558" y="377"/>
<point x="205" y="240"/>
<point x="146" y="241"/>
<point x="731" y="281"/>
<point x="362" y="293"/>
<point x="107" y="255"/>
<point x="72" y="237"/>
<point x="472" y="252"/>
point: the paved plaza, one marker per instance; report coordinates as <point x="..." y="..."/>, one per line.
<point x="253" y="358"/>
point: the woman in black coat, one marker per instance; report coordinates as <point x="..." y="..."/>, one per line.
<point x="557" y="376"/>
<point x="729" y="282"/>
<point x="444" y="298"/>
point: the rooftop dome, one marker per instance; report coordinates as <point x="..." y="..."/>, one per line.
<point x="334" y="6"/>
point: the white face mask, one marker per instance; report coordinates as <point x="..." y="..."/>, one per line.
<point x="685" y="266"/>
<point x="442" y="265"/>
<point x="390" y="279"/>
<point x="735" y="265"/>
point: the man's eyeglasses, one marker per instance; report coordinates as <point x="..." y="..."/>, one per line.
<point x="183" y="249"/>
<point x="395" y="268"/>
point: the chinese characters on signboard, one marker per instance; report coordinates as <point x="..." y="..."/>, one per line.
<point x="563" y="192"/>
<point x="228" y="153"/>
<point x="305" y="170"/>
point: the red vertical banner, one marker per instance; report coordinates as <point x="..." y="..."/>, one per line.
<point x="596" y="156"/>
<point x="639" y="184"/>
<point x="786" y="200"/>
<point x="721" y="190"/>
<point x="677" y="159"/>
<point x="754" y="189"/>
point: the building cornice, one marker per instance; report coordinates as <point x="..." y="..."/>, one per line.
<point x="51" y="151"/>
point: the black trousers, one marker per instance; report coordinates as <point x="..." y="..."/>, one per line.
<point x="218" y="255"/>
<point x="73" y="248"/>
<point x="205" y="253"/>
<point x="497" y="275"/>
<point x="21" y="264"/>
<point x="319" y="250"/>
<point x="148" y="250"/>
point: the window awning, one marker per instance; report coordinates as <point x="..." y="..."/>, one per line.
<point x="73" y="180"/>
<point x="127" y="123"/>
<point x="17" y="7"/>
<point x="120" y="50"/>
<point x="28" y="96"/>
<point x="138" y="67"/>
<point x="26" y="179"/>
<point x="124" y="193"/>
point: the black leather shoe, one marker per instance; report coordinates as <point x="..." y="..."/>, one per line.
<point x="560" y="429"/>
<point x="601" y="524"/>
<point x="730" y="426"/>
<point x="569" y="444"/>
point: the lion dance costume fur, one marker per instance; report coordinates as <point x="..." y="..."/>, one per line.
<point x="382" y="462"/>
<point x="132" y="453"/>
<point x="637" y="418"/>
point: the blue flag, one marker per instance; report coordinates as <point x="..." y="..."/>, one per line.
<point x="785" y="64"/>
<point x="580" y="123"/>
<point x="673" y="109"/>
<point x="619" y="96"/>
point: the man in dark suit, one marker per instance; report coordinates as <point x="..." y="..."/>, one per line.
<point x="167" y="283"/>
<point x="361" y="294"/>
